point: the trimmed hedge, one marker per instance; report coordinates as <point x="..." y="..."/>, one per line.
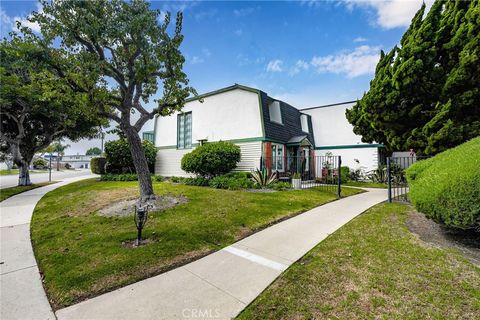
<point x="119" y="177"/>
<point x="446" y="188"/>
<point x="232" y="181"/>
<point x="97" y="165"/>
<point x="119" y="157"/>
<point x="212" y="159"/>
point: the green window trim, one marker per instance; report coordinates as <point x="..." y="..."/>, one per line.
<point x="184" y="130"/>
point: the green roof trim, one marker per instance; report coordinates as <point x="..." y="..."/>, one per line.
<point x="351" y="146"/>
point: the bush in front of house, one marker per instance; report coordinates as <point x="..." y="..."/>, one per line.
<point x="344" y="174"/>
<point x="212" y="159"/>
<point x="232" y="181"/>
<point x="119" y="158"/>
<point x="196" y="181"/>
<point x="119" y="177"/>
<point x="281" y="186"/>
<point x="97" y="165"/>
<point x="39" y="163"/>
<point x="446" y="188"/>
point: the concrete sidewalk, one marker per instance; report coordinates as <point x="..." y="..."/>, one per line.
<point x="21" y="291"/>
<point x="222" y="284"/>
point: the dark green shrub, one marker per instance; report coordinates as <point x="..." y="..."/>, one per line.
<point x="159" y="178"/>
<point x="119" y="177"/>
<point x="97" y="165"/>
<point x="344" y="174"/>
<point x="119" y="158"/>
<point x="446" y="188"/>
<point x="212" y="159"/>
<point x="281" y="186"/>
<point x="39" y="163"/>
<point x="236" y="181"/>
<point x="177" y="179"/>
<point x="196" y="181"/>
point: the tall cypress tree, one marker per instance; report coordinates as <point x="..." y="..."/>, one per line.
<point x="427" y="99"/>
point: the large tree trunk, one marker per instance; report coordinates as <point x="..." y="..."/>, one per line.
<point x="58" y="161"/>
<point x="24" y="174"/>
<point x="141" y="165"/>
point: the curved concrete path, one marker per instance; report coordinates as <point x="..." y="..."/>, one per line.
<point x="21" y="291"/>
<point x="222" y="284"/>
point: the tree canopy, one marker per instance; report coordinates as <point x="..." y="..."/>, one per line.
<point x="95" y="151"/>
<point x="128" y="46"/>
<point x="426" y="92"/>
<point x="37" y="106"/>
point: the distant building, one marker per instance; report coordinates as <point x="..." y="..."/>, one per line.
<point x="76" y="161"/>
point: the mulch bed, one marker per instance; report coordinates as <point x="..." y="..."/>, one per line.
<point x="466" y="242"/>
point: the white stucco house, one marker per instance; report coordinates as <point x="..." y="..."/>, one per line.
<point x="269" y="132"/>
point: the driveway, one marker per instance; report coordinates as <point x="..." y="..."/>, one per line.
<point x="12" y="180"/>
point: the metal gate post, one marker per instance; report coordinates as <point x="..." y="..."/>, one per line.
<point x="339" y="177"/>
<point x="389" y="181"/>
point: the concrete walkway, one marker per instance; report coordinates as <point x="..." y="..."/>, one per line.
<point x="21" y="291"/>
<point x="222" y="284"/>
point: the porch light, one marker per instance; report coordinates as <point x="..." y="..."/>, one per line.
<point x="202" y="141"/>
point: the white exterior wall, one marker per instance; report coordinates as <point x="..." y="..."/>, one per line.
<point x="168" y="161"/>
<point x="368" y="157"/>
<point x="229" y="115"/>
<point x="331" y="128"/>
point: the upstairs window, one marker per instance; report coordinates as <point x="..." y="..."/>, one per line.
<point x="275" y="112"/>
<point x="184" y="130"/>
<point x="304" y="122"/>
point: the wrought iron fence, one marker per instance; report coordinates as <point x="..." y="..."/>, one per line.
<point x="320" y="172"/>
<point x="396" y="179"/>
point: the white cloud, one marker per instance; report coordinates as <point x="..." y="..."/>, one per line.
<point x="243" y="12"/>
<point x="275" y="66"/>
<point x="10" y="23"/>
<point x="358" y="62"/>
<point x="238" y="32"/>
<point x="203" y="15"/>
<point x="196" y="60"/>
<point x="206" y="52"/>
<point x="391" y="13"/>
<point x="300" y="65"/>
<point x="359" y="39"/>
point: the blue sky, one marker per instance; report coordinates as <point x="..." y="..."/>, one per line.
<point x="306" y="53"/>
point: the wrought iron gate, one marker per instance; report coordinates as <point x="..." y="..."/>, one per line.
<point x="396" y="178"/>
<point x="320" y="172"/>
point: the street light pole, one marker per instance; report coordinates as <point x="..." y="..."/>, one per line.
<point x="50" y="168"/>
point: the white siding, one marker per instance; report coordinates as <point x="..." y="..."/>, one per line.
<point x="229" y="115"/>
<point x="168" y="161"/>
<point x="250" y="156"/>
<point x="368" y="157"/>
<point x="331" y="128"/>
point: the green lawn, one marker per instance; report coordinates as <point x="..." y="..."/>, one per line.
<point x="81" y="254"/>
<point x="15" y="171"/>
<point x="373" y="268"/>
<point x="365" y="184"/>
<point x="7" y="172"/>
<point x="6" y="193"/>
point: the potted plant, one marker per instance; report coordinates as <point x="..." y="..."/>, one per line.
<point x="296" y="180"/>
